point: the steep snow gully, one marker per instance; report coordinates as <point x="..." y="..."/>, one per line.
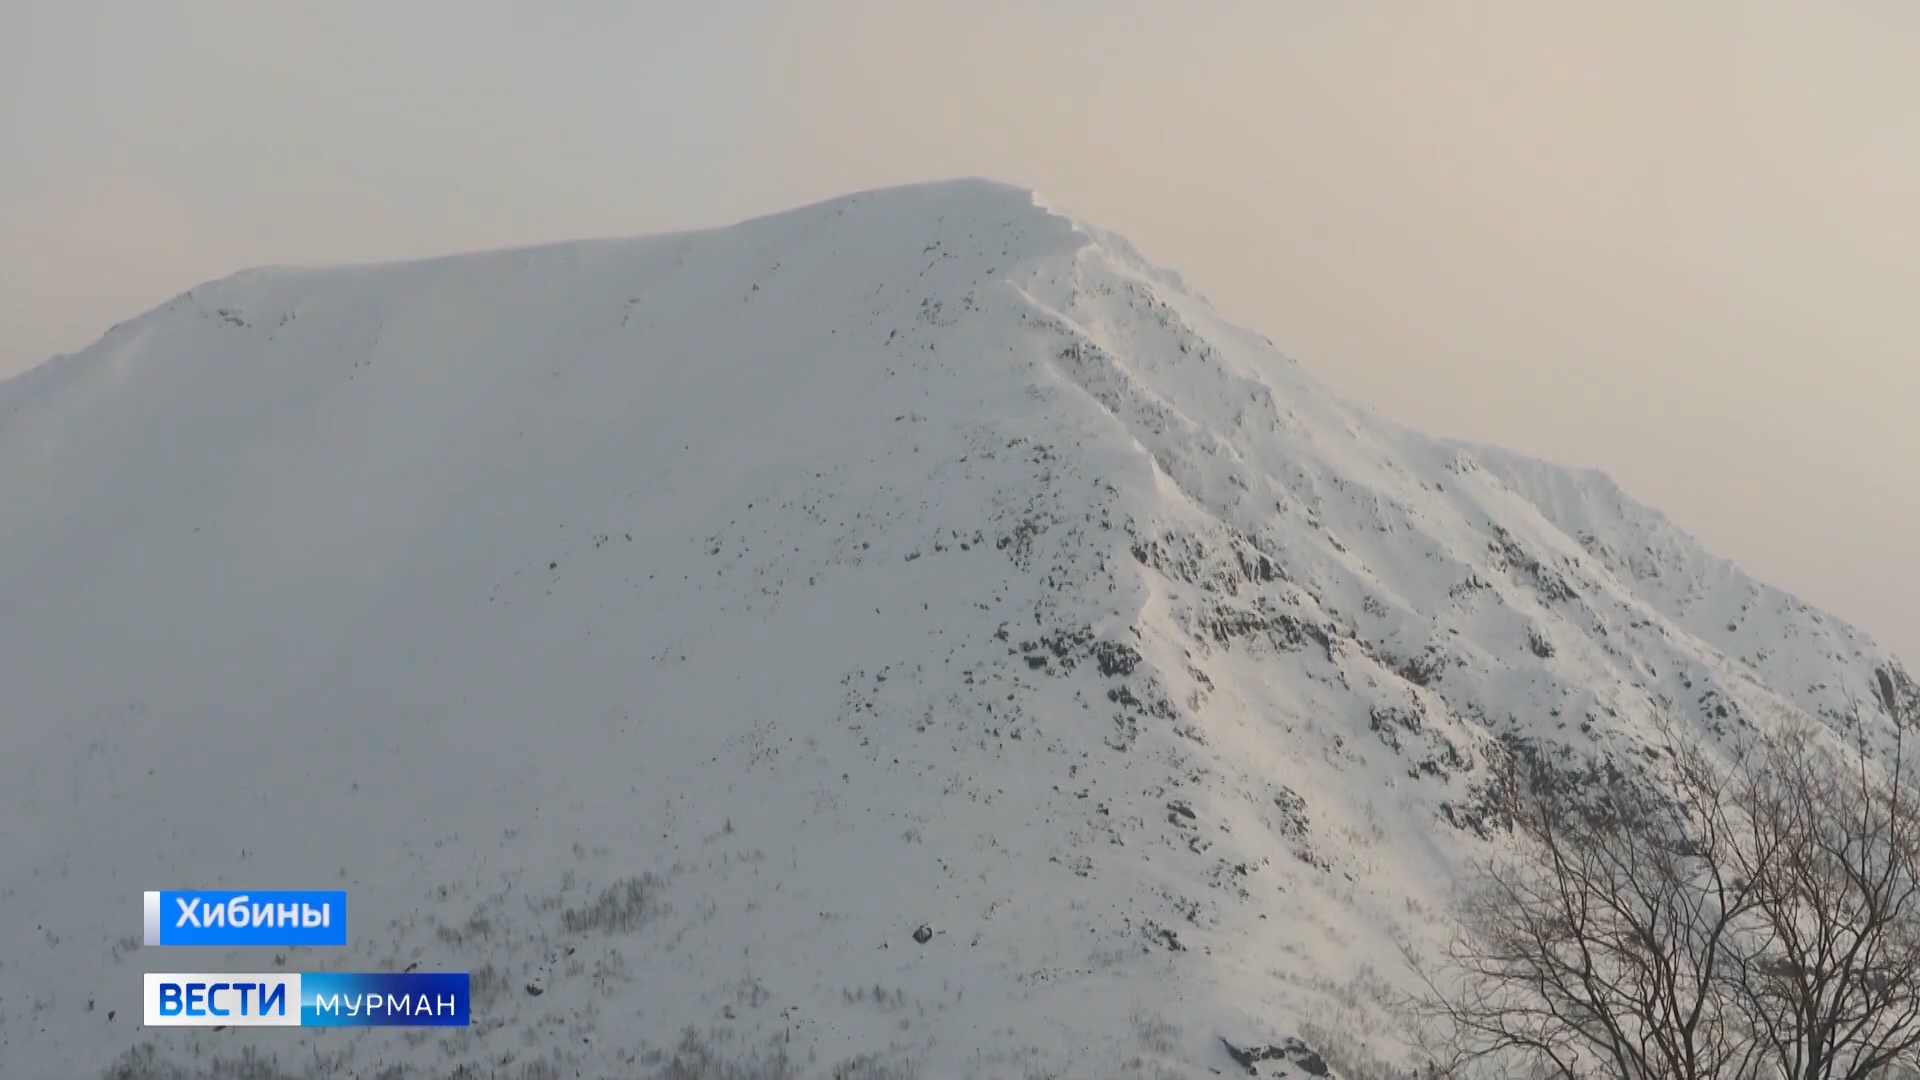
<point x="908" y="635"/>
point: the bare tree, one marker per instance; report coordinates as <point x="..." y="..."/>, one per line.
<point x="1758" y="918"/>
<point x="1830" y="979"/>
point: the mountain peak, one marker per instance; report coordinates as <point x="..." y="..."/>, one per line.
<point x="919" y="560"/>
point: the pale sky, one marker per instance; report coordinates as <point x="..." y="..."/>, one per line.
<point x="1676" y="240"/>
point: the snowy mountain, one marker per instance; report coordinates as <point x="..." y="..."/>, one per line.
<point x="668" y="630"/>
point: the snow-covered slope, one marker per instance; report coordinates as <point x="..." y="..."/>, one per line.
<point x="674" y="626"/>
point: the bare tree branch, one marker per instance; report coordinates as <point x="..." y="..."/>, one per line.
<point x="1734" y="921"/>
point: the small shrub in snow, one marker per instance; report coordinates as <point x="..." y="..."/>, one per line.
<point x="621" y="908"/>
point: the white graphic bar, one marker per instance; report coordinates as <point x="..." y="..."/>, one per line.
<point x="225" y="999"/>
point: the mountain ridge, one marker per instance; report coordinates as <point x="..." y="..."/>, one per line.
<point x="920" y="557"/>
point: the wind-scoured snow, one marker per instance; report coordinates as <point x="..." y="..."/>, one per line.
<point x="666" y="630"/>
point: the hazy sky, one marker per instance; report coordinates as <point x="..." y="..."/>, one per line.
<point x="1680" y="241"/>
